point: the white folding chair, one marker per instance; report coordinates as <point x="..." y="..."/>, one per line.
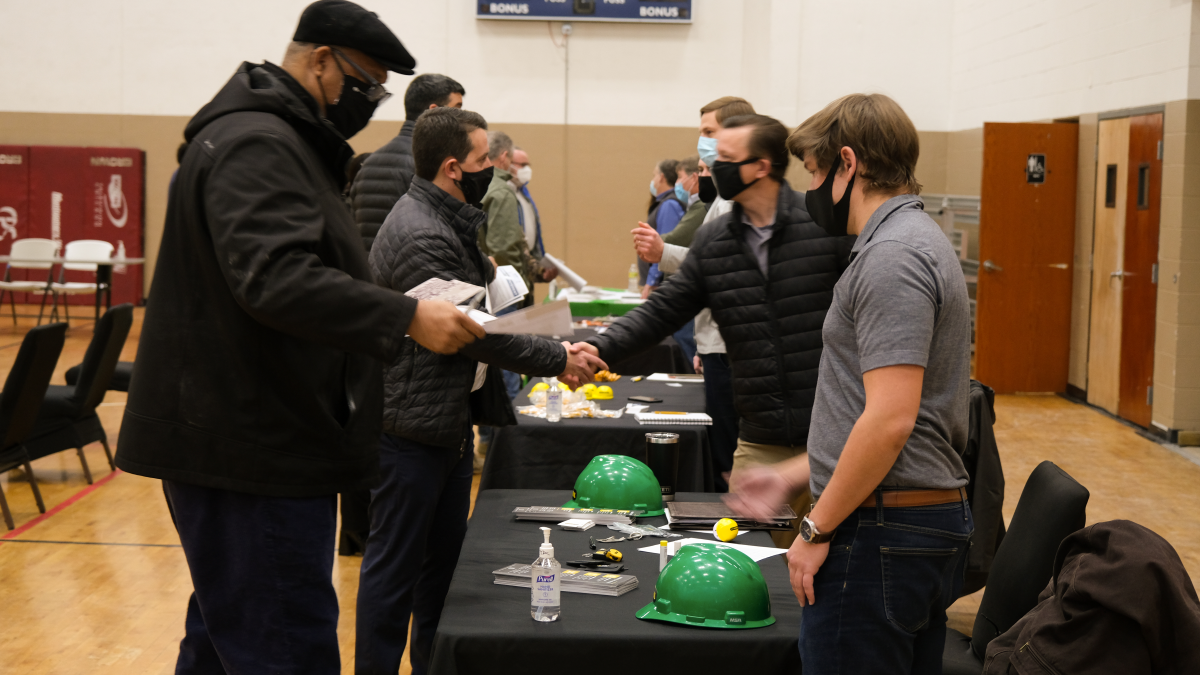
<point x="28" y="254"/>
<point x="82" y="249"/>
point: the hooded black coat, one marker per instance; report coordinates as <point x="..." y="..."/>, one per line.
<point x="260" y="359"/>
<point x="771" y="325"/>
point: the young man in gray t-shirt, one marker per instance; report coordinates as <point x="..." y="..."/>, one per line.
<point x="885" y="545"/>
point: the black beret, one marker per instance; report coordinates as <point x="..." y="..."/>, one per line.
<point x="345" y="24"/>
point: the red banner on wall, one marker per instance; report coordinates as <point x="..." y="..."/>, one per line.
<point x="90" y="193"/>
<point x="14" y="201"/>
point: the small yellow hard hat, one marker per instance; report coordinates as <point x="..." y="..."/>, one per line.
<point x="726" y="529"/>
<point x="602" y="392"/>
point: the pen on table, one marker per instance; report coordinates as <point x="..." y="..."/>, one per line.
<point x="668" y="412"/>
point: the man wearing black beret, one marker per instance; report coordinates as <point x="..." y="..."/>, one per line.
<point x="259" y="395"/>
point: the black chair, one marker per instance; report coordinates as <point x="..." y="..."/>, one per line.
<point x="68" y="417"/>
<point x="23" y="393"/>
<point x="1052" y="506"/>
<point x="120" y="377"/>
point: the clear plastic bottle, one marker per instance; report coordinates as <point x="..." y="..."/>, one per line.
<point x="554" y="396"/>
<point x="633" y="279"/>
<point x="545" y="574"/>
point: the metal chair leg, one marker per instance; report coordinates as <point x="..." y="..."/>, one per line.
<point x="8" y="519"/>
<point x="66" y="308"/>
<point x="42" y="309"/>
<point x="108" y="453"/>
<point x="37" y="494"/>
<point x="87" y="473"/>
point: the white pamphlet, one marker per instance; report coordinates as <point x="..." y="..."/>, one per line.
<point x="756" y="553"/>
<point x="508" y="288"/>
<point x="550" y="319"/>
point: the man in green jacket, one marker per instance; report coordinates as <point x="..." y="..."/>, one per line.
<point x="503" y="237"/>
<point x="688" y="183"/>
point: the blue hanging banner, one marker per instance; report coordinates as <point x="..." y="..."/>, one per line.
<point x="635" y="11"/>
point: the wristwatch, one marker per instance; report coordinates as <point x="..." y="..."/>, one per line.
<point x="810" y="534"/>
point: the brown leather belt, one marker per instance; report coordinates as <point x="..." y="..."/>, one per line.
<point x="907" y="498"/>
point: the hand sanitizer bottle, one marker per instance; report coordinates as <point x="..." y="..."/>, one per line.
<point x="553" y="401"/>
<point x="633" y="279"/>
<point x="545" y="573"/>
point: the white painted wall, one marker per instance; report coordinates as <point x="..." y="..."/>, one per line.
<point x="952" y="64"/>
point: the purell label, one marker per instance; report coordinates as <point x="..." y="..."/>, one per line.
<point x="545" y="579"/>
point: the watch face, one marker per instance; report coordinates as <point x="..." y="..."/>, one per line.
<point x="806" y="531"/>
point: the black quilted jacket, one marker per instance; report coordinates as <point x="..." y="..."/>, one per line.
<point x="431" y="234"/>
<point x="771" y="327"/>
<point x="381" y="182"/>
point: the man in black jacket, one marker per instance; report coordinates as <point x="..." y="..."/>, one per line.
<point x="258" y="395"/>
<point x="387" y="173"/>
<point x="419" y="511"/>
<point x="767" y="272"/>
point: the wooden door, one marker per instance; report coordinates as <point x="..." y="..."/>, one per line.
<point x="1139" y="282"/>
<point x="1108" y="259"/>
<point x="1026" y="243"/>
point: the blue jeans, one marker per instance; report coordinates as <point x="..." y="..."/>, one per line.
<point x="882" y="594"/>
<point x="262" y="572"/>
<point x="686" y="337"/>
<point x="418" y="522"/>
<point x="718" y="403"/>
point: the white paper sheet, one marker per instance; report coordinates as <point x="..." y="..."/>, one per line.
<point x="566" y="273"/>
<point x="506" y="289"/>
<point x="756" y="553"/>
<point x="671" y="377"/>
<point x="548" y="319"/>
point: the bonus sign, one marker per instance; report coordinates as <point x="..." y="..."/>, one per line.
<point x="637" y="11"/>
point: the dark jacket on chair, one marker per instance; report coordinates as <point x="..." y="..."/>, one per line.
<point x="431" y="235"/>
<point x="1120" y="601"/>
<point x="259" y="364"/>
<point x="381" y="182"/>
<point x="985" y="491"/>
<point x="771" y="327"/>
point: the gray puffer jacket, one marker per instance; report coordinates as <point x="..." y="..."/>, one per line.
<point x="430" y="234"/>
<point x="381" y="182"/>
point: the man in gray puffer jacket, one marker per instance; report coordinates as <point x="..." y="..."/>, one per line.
<point x="424" y="457"/>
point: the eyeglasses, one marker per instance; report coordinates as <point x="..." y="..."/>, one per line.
<point x="375" y="93"/>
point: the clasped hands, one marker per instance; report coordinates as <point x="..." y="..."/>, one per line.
<point x="583" y="361"/>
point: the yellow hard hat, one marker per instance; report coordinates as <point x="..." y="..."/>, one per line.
<point x="540" y="386"/>
<point x="602" y="392"/>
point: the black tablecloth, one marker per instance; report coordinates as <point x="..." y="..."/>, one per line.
<point x="664" y="357"/>
<point x="486" y="628"/>
<point x="536" y="454"/>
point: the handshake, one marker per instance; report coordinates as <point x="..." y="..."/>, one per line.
<point x="583" y="361"/>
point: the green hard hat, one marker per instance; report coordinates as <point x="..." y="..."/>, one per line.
<point x="713" y="586"/>
<point x="617" y="482"/>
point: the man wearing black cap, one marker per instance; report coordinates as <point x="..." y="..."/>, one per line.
<point x="259" y="392"/>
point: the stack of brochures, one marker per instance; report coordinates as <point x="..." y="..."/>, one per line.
<point x="573" y="581"/>
<point x="703" y="515"/>
<point x="557" y="514"/>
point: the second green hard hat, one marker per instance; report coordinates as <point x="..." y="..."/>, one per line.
<point x="710" y="586"/>
<point x="617" y="482"/>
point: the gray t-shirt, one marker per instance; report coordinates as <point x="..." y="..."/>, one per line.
<point x="759" y="240"/>
<point x="902" y="300"/>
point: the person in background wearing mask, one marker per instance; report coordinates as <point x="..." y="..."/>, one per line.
<point x="890" y="416"/>
<point x="374" y="190"/>
<point x="710" y="359"/>
<point x="767" y="272"/>
<point x="687" y="186"/>
<point x="386" y="177"/>
<point x="258" y="394"/>
<point x="419" y="510"/>
<point x="664" y="213"/>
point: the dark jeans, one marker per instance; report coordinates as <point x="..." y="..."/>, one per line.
<point x="418" y="522"/>
<point x="262" y="572"/>
<point x="686" y="337"/>
<point x="718" y="403"/>
<point x="882" y="594"/>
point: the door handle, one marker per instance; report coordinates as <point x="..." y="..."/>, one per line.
<point x="1120" y="274"/>
<point x="991" y="266"/>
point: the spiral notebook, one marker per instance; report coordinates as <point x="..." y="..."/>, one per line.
<point x="668" y="418"/>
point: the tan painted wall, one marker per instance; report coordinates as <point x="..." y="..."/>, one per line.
<point x="1081" y="288"/>
<point x="1177" y="334"/>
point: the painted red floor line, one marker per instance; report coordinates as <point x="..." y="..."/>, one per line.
<point x="71" y="500"/>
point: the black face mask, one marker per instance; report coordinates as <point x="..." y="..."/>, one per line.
<point x="833" y="218"/>
<point x="708" y="190"/>
<point x="728" y="177"/>
<point x="474" y="185"/>
<point x="353" y="109"/>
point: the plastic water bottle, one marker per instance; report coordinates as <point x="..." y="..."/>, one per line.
<point x="553" y="401"/>
<point x="546" y="573"/>
<point x="633" y="279"/>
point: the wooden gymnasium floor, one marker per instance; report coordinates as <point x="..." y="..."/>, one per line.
<point x="99" y="584"/>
